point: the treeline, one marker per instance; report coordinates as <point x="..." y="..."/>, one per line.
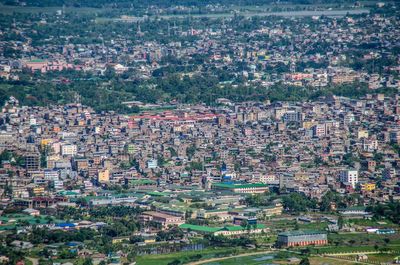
<point x="106" y="96"/>
<point x="159" y="3"/>
<point x="390" y="211"/>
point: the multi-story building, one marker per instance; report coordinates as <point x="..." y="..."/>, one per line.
<point x="349" y="176"/>
<point x="32" y="162"/>
<point x="68" y="150"/>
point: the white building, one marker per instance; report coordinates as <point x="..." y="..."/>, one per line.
<point x="349" y="176"/>
<point x="51" y="175"/>
<point x="58" y="185"/>
<point x="69" y="150"/>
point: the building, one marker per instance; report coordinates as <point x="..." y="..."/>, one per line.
<point x="240" y="220"/>
<point x="241" y="188"/>
<point x="368" y="186"/>
<point x="51" y="175"/>
<point x="68" y="150"/>
<point x="319" y="130"/>
<point x="389" y="173"/>
<point x="292" y="116"/>
<point x="349" y="176"/>
<point x="153" y="163"/>
<point x="103" y="176"/>
<point x="228" y="230"/>
<point x="273" y="210"/>
<point x="163" y="219"/>
<point x="362" y="134"/>
<point x="302" y="238"/>
<point x="32" y="162"/>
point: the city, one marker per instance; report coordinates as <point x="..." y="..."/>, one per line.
<point x="199" y="133"/>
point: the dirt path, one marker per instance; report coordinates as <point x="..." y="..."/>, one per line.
<point x="34" y="261"/>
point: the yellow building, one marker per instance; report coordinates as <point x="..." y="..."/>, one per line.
<point x="38" y="191"/>
<point x="103" y="176"/>
<point x="362" y="134"/>
<point x="45" y="142"/>
<point x="150" y="240"/>
<point x="308" y="124"/>
<point x="121" y="239"/>
<point x="368" y="186"/>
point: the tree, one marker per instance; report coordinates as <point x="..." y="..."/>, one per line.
<point x="190" y="151"/>
<point x="304" y="261"/>
<point x="175" y="262"/>
<point x="340" y="222"/>
<point x="296" y="202"/>
<point x="88" y="261"/>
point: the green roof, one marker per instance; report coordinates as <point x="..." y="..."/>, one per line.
<point x="240" y="228"/>
<point x="37" y="61"/>
<point x="200" y="228"/>
<point x="157" y="193"/>
<point x="68" y="193"/>
<point x="301" y="232"/>
<point x="239" y="186"/>
<point x="142" y="182"/>
<point x="354" y="208"/>
<point x="207" y="229"/>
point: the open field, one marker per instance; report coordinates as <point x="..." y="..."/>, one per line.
<point x="329" y="261"/>
<point x="302" y="13"/>
<point x="185" y="256"/>
<point x="9" y="10"/>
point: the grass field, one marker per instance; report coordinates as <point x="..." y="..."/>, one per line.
<point x="9" y="10"/>
<point x="372" y="223"/>
<point x="360" y="239"/>
<point x="250" y="260"/>
<point x="382" y="257"/>
<point x="185" y="256"/>
<point x="302" y="13"/>
<point x="329" y="261"/>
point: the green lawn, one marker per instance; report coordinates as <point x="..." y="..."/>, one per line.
<point x="328" y="261"/>
<point x="373" y="223"/>
<point x="382" y="257"/>
<point x="251" y="260"/>
<point x="360" y="239"/>
<point x="9" y="10"/>
<point x="185" y="256"/>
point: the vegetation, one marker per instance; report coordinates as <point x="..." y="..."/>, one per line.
<point x="390" y="211"/>
<point x="109" y="95"/>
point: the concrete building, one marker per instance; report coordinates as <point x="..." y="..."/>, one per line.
<point x="349" y="176"/>
<point x="302" y="238"/>
<point x="241" y="188"/>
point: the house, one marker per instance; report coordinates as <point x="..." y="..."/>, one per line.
<point x="32" y="212"/>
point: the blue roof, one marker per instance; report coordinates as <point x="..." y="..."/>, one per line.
<point x="66" y="225"/>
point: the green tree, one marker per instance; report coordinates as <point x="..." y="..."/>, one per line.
<point x="304" y="261"/>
